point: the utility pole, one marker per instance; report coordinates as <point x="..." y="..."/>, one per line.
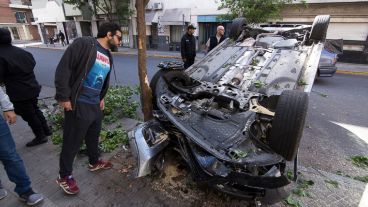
<point x="146" y="92"/>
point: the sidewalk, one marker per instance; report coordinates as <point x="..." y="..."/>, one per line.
<point x="124" y="51"/>
<point x="118" y="188"/>
<point x="351" y="68"/>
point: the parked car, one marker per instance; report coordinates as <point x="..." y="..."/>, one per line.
<point x="327" y="63"/>
<point x="329" y="57"/>
<point x="236" y="116"/>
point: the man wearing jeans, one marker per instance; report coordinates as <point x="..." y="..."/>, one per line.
<point x="12" y="162"/>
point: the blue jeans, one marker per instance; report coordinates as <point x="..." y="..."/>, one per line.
<point x="12" y="162"/>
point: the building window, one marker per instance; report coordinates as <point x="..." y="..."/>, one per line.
<point x="21" y="17"/>
<point x="14" y="31"/>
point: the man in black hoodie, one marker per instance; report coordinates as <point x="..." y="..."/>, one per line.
<point x="81" y="81"/>
<point x="16" y="72"/>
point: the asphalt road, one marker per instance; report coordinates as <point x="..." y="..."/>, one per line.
<point x="336" y="125"/>
<point x="126" y="67"/>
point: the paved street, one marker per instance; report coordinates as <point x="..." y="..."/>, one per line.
<point x="336" y="129"/>
<point x="125" y="66"/>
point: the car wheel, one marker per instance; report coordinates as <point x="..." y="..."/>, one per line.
<point x="153" y="84"/>
<point x="288" y="123"/>
<point x="236" y="28"/>
<point x="319" y="28"/>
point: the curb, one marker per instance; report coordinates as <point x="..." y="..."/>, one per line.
<point x="351" y="72"/>
<point x="117" y="53"/>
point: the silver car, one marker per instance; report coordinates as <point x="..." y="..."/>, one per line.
<point x="237" y="116"/>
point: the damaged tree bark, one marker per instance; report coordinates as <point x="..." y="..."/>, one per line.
<point x="146" y="93"/>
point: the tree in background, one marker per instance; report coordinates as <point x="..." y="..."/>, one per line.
<point x="114" y="10"/>
<point x="255" y="11"/>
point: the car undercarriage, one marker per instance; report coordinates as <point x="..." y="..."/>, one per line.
<point x="236" y="117"/>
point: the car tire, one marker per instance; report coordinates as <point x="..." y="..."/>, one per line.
<point x="153" y="84"/>
<point x="319" y="28"/>
<point x="288" y="123"/>
<point x="236" y="28"/>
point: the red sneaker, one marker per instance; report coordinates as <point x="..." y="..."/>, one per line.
<point x="100" y="165"/>
<point x="68" y="184"/>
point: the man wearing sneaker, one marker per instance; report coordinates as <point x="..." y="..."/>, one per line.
<point x="81" y="81"/>
<point x="12" y="162"/>
<point x="16" y="73"/>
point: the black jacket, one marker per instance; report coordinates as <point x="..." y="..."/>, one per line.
<point x="188" y="46"/>
<point x="16" y="72"/>
<point x="74" y="67"/>
<point x="214" y="43"/>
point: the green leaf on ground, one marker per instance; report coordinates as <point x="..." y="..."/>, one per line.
<point x="362" y="178"/>
<point x="259" y="84"/>
<point x="290" y="175"/>
<point x="360" y="161"/>
<point x="301" y="192"/>
<point x="333" y="183"/>
<point x="290" y="201"/>
<point x="111" y="139"/>
<point x="238" y="154"/>
<point x="302" y="82"/>
<point x="56" y="138"/>
<point x="321" y="94"/>
<point x="307" y="183"/>
<point x="303" y="185"/>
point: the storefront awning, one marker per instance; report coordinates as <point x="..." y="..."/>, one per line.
<point x="151" y="17"/>
<point x="175" y="17"/>
<point x="210" y="18"/>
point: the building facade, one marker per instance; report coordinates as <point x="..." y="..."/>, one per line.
<point x="50" y="19"/>
<point x="167" y="20"/>
<point x="349" y="21"/>
<point x="16" y="16"/>
<point x="86" y="22"/>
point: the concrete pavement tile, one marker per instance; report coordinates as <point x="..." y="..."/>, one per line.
<point x="61" y="199"/>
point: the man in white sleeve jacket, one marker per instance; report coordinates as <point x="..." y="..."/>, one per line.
<point x="13" y="163"/>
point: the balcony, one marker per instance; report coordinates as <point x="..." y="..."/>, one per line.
<point x="20" y="4"/>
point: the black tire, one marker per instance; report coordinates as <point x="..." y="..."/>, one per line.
<point x="319" y="28"/>
<point x="288" y="123"/>
<point x="153" y="84"/>
<point x="236" y="28"/>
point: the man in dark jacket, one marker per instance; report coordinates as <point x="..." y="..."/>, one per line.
<point x="188" y="47"/>
<point x="81" y="81"/>
<point x="215" y="40"/>
<point x="16" y="72"/>
<point x="62" y="38"/>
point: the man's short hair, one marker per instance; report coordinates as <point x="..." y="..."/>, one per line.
<point x="107" y="27"/>
<point x="5" y="37"/>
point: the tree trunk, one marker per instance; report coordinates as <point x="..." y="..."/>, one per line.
<point x="146" y="93"/>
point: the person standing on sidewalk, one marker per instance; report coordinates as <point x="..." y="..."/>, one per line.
<point x="13" y="163"/>
<point x="16" y="72"/>
<point x="213" y="41"/>
<point x="188" y="47"/>
<point x="81" y="81"/>
<point x="62" y="38"/>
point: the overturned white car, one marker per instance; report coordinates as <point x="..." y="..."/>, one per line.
<point x="236" y="116"/>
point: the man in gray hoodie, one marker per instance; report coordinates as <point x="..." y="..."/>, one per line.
<point x="13" y="163"/>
